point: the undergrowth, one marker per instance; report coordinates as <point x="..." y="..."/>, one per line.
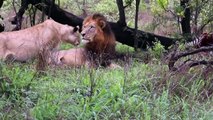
<point x="138" y="90"/>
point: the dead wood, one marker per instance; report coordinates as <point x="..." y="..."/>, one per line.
<point x="175" y="56"/>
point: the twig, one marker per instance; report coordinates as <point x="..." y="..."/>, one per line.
<point x="203" y="62"/>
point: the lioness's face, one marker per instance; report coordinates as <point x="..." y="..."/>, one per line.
<point x="72" y="35"/>
<point x="89" y="31"/>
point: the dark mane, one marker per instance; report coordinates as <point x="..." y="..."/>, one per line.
<point x="107" y="29"/>
<point x="103" y="47"/>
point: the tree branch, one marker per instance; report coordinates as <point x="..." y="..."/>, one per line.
<point x="174" y="57"/>
<point x="206" y="23"/>
<point x="203" y="62"/>
<point x="18" y="19"/>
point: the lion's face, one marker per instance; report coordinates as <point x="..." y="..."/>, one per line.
<point x="91" y="29"/>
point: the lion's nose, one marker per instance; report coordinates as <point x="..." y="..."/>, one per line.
<point x="77" y="42"/>
<point x="83" y="34"/>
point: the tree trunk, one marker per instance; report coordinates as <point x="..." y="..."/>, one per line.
<point x="185" y="22"/>
<point x="136" y="25"/>
<point x="123" y="35"/>
<point x="122" y="18"/>
<point x="1" y="3"/>
<point x="1" y="26"/>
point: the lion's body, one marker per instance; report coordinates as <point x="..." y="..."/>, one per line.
<point x="98" y="50"/>
<point x="72" y="57"/>
<point x="25" y="44"/>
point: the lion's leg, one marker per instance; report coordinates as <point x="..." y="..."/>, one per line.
<point x="2" y="49"/>
<point x="1" y="53"/>
<point x="4" y="52"/>
<point x="9" y="56"/>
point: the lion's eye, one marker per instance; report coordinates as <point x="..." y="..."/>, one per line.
<point x="92" y="26"/>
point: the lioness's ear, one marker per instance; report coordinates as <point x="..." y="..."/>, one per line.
<point x="102" y="24"/>
<point x="76" y="28"/>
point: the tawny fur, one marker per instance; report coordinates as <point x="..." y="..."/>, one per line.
<point x="98" y="50"/>
<point x="25" y="44"/>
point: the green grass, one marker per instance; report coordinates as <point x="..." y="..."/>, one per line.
<point x="143" y="89"/>
<point x="137" y="91"/>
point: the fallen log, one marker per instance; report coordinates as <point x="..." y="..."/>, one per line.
<point x="123" y="34"/>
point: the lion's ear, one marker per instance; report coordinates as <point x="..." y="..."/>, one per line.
<point x="62" y="60"/>
<point x="76" y="28"/>
<point x="102" y="24"/>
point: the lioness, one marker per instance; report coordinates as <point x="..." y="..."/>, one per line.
<point x="25" y="44"/>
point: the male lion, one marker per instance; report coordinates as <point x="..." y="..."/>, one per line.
<point x="99" y="47"/>
<point x="25" y="44"/>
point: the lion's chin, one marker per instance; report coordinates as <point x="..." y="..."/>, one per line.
<point x="85" y="41"/>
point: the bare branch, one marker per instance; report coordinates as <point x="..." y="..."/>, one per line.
<point x="174" y="57"/>
<point x="18" y="19"/>
<point x="203" y="62"/>
<point x="206" y="23"/>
